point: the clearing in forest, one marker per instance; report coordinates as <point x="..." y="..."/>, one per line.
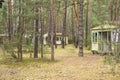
<point x="68" y="66"/>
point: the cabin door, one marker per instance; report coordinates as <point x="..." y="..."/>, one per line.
<point x="104" y="41"/>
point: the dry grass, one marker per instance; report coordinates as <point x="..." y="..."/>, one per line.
<point x="67" y="66"/>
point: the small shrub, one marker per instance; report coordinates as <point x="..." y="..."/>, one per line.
<point x="111" y="60"/>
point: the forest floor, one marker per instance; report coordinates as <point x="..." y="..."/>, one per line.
<point x="67" y="66"/>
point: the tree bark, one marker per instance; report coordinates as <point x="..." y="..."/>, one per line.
<point x="10" y="28"/>
<point x="52" y="30"/>
<point x="116" y="10"/>
<point x="87" y="23"/>
<point x="72" y="25"/>
<point x="20" y="33"/>
<point x="111" y="11"/>
<point x="64" y="25"/>
<point x="42" y="32"/>
<point x="80" y="29"/>
<point x="77" y="11"/>
<point x="54" y="24"/>
<point x="36" y="21"/>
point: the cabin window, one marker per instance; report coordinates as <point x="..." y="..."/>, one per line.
<point x="57" y="38"/>
<point x="95" y="37"/>
<point x="60" y="38"/>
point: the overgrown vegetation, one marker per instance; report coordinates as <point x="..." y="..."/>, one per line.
<point x="67" y="66"/>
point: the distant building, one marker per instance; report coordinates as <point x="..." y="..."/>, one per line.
<point x="58" y="38"/>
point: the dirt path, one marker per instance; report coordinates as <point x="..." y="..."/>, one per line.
<point x="89" y="67"/>
<point x="68" y="66"/>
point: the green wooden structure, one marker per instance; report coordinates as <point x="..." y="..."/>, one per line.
<point x="105" y="39"/>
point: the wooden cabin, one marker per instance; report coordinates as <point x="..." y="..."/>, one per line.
<point x="58" y="38"/>
<point x="105" y="39"/>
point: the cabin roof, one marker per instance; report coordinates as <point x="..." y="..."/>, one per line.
<point x="104" y="27"/>
<point x="57" y="34"/>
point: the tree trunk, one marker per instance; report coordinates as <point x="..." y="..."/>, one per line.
<point x="77" y="24"/>
<point x="20" y="33"/>
<point x="36" y="35"/>
<point x="111" y="11"/>
<point x="116" y="10"/>
<point x="10" y="28"/>
<point x="64" y="25"/>
<point x="87" y="23"/>
<point x="72" y="25"/>
<point x="52" y="30"/>
<point x="80" y="29"/>
<point x="42" y="31"/>
<point x="54" y="24"/>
